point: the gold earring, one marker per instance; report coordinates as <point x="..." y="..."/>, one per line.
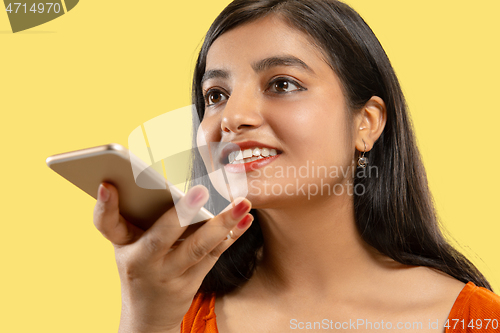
<point x="362" y="160"/>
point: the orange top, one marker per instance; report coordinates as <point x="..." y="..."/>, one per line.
<point x="476" y="309"/>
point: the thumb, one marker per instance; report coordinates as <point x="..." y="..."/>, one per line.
<point x="108" y="220"/>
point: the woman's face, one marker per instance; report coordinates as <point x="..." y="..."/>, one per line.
<point x="266" y="82"/>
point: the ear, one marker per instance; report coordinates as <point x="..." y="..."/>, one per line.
<point x="370" y="123"/>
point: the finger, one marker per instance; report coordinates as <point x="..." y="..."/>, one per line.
<point x="162" y="235"/>
<point x="209" y="236"/>
<point x="202" y="268"/>
<point x="108" y="220"/>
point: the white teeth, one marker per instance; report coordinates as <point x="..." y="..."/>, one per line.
<point x="247" y="153"/>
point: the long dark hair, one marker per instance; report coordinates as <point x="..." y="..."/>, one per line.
<point x="395" y="214"/>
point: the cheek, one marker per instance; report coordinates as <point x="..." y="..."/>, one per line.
<point x="204" y="138"/>
<point x="312" y="127"/>
<point x="209" y="131"/>
<point x="200" y="137"/>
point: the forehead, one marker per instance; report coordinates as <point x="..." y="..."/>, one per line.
<point x="266" y="37"/>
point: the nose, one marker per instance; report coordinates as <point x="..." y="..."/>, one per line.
<point x="242" y="111"/>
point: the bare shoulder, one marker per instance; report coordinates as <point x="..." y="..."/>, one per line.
<point x="435" y="285"/>
<point x="423" y="292"/>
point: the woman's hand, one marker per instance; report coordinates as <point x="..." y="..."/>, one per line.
<point x="158" y="280"/>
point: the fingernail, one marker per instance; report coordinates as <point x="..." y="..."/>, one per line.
<point x="103" y="193"/>
<point x="245" y="221"/>
<point x="240" y="209"/>
<point x="195" y="196"/>
<point x="233" y="204"/>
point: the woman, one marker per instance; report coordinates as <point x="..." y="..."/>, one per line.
<point x="310" y="80"/>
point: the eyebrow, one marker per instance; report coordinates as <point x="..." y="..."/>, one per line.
<point x="261" y="66"/>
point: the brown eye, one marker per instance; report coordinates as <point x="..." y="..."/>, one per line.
<point x="281" y="86"/>
<point x="214" y="97"/>
<point x="284" y="85"/>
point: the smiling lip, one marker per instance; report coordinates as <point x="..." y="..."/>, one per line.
<point x="243" y="145"/>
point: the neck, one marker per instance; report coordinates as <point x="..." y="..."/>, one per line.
<point x="313" y="248"/>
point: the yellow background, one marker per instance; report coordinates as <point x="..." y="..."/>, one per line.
<point x="93" y="75"/>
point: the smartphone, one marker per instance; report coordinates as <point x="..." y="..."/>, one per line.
<point x="140" y="204"/>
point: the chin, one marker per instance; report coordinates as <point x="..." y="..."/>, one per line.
<point x="233" y="186"/>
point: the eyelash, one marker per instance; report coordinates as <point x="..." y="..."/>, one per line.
<point x="208" y="93"/>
